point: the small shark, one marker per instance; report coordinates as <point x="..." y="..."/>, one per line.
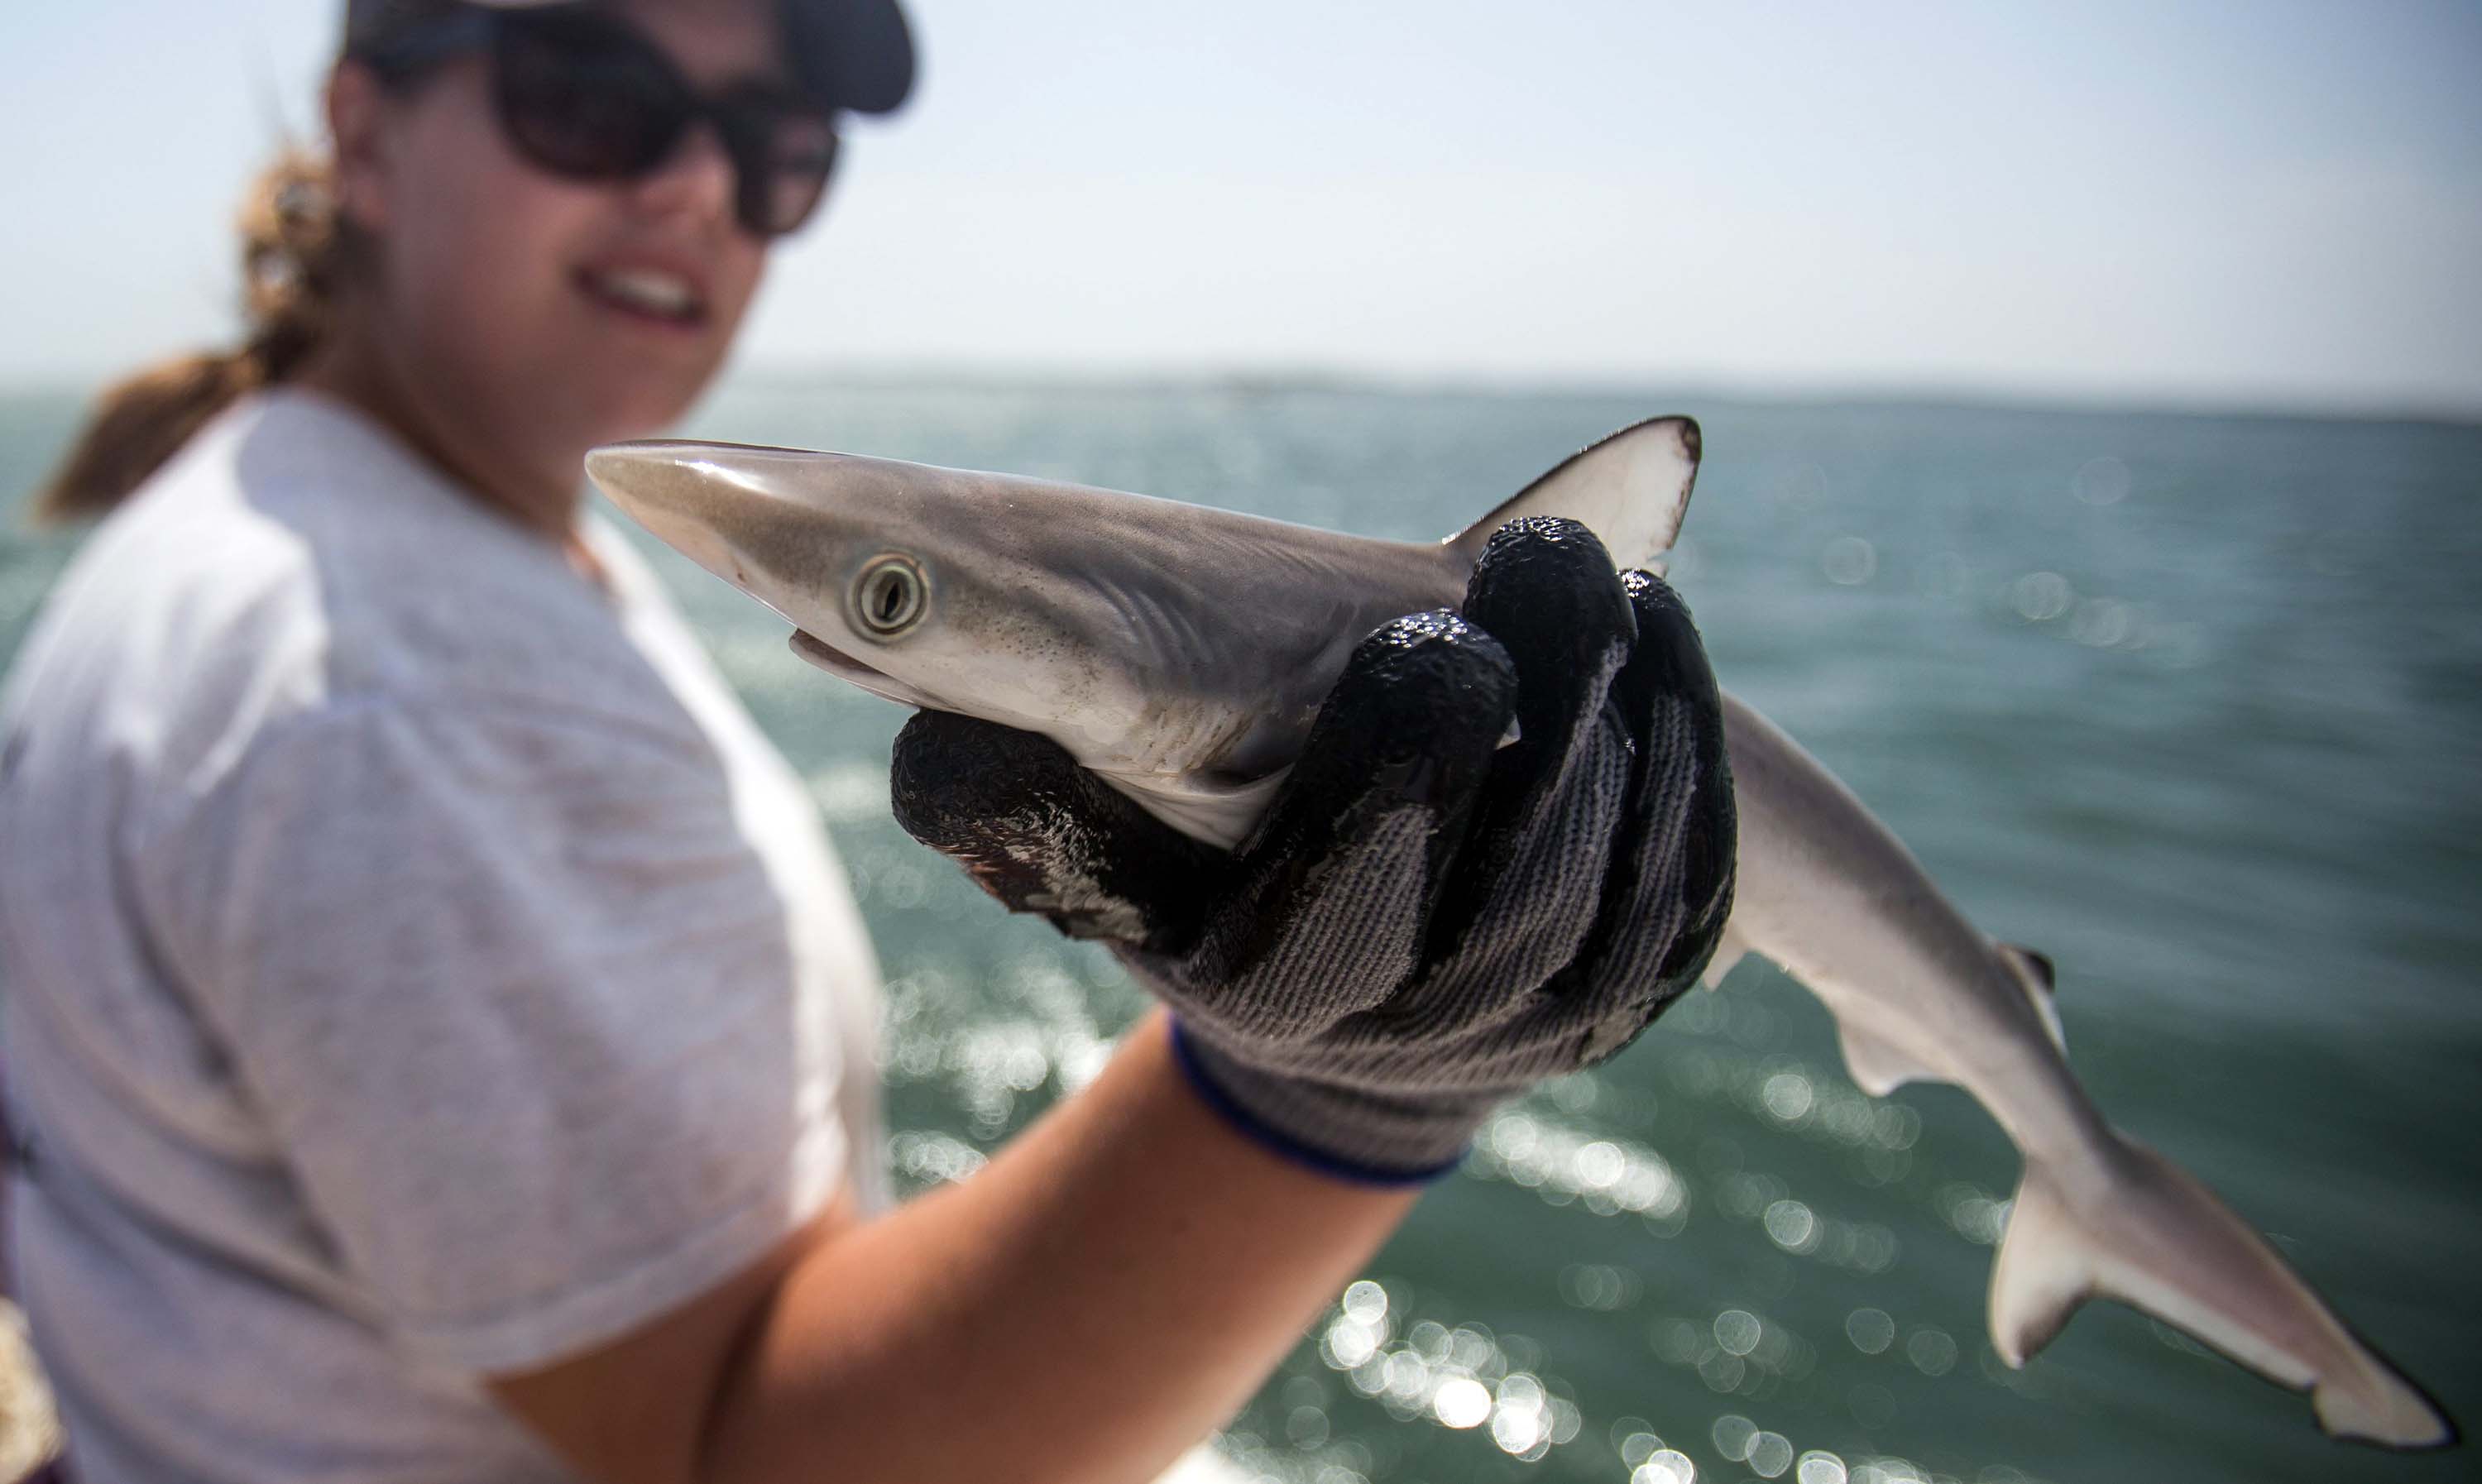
<point x="1180" y="654"/>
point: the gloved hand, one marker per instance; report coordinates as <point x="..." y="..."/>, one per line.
<point x="1426" y="922"/>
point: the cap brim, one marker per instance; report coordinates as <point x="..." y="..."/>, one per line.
<point x="856" y="54"/>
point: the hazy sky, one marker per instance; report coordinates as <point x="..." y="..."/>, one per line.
<point x="2269" y="202"/>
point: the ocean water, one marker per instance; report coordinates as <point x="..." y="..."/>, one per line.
<point x="2192" y="703"/>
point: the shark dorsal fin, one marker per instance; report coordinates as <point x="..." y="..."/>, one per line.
<point x="2036" y="976"/>
<point x="1630" y="490"/>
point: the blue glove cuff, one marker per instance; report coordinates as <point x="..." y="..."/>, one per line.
<point x="1277" y="1142"/>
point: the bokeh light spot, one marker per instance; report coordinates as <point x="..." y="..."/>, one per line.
<point x="1870" y="1330"/>
<point x="1461" y="1402"/>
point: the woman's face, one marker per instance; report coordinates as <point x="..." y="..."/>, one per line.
<point x="518" y="308"/>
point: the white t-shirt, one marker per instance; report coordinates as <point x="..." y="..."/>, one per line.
<point x="416" y="968"/>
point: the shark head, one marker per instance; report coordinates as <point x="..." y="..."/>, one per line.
<point x="916" y="584"/>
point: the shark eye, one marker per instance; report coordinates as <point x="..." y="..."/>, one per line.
<point x="889" y="597"/>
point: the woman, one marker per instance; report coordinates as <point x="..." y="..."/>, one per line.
<point x="439" y="1037"/>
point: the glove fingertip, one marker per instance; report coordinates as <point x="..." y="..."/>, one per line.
<point x="1545" y="586"/>
<point x="1669" y="656"/>
<point x="1420" y="706"/>
<point x="1546" y="589"/>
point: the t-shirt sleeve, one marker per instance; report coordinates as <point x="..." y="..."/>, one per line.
<point x="517" y="1002"/>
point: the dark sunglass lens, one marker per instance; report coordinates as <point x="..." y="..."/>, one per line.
<point x="581" y="96"/>
<point x="784" y="157"/>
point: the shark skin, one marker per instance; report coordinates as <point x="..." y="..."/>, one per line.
<point x="1180" y="652"/>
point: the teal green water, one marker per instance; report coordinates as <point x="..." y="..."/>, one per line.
<point x="2192" y="703"/>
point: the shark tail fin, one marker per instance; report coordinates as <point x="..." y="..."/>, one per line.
<point x="2149" y="1236"/>
<point x="1631" y="490"/>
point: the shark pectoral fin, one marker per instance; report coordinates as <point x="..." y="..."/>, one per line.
<point x="1876" y="1067"/>
<point x="2146" y="1232"/>
<point x="1221" y="815"/>
<point x="1631" y="490"/>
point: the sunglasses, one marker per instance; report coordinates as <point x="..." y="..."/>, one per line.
<point x="584" y="95"/>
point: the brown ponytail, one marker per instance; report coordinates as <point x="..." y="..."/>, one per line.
<point x="292" y="252"/>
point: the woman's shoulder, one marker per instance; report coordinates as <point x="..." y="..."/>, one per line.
<point x="294" y="558"/>
<point x="421" y="587"/>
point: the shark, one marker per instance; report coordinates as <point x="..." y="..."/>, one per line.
<point x="1180" y="652"/>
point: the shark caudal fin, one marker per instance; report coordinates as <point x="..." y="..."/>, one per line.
<point x="2149" y="1236"/>
<point x="1630" y="490"/>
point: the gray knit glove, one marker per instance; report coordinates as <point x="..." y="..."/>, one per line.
<point x="1426" y="922"/>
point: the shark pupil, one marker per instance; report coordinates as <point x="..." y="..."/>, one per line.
<point x="888" y="596"/>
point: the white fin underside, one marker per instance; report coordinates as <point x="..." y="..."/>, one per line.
<point x="1631" y="490"/>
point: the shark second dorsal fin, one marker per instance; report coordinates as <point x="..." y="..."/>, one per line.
<point x="2035" y="975"/>
<point x="2034" y="964"/>
<point x="1630" y="490"/>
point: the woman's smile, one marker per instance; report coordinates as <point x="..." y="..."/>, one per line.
<point x="647" y="291"/>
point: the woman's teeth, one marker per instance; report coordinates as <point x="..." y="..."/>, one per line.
<point x="648" y="291"/>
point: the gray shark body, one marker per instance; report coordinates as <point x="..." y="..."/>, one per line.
<point x="1180" y="654"/>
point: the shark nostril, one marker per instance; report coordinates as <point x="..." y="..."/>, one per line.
<point x="889" y="597"/>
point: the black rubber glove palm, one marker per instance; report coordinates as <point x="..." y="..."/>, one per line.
<point x="1426" y="922"/>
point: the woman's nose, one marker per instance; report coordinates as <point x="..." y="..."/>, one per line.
<point x="697" y="179"/>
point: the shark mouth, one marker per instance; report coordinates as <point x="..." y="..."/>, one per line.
<point x="844" y="667"/>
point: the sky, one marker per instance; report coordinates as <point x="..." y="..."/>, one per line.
<point x="2265" y="203"/>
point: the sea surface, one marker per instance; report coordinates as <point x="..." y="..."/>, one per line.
<point x="2192" y="703"/>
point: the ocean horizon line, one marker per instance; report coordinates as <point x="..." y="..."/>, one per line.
<point x="1247" y="381"/>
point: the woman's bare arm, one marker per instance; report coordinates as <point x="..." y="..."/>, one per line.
<point x="1114" y="1285"/>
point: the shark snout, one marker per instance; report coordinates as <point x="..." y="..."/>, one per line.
<point x="721" y="506"/>
<point x="661" y="491"/>
<point x="655" y="477"/>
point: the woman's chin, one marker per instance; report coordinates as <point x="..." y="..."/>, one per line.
<point x="646" y="404"/>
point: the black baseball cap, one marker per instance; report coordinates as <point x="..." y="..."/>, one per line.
<point x="856" y="54"/>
